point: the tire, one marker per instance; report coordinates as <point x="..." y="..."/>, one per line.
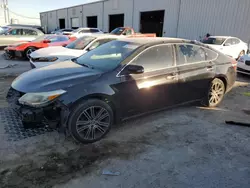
<point x="90" y="121"/>
<point x="215" y="93"/>
<point x="241" y="54"/>
<point x="28" y="51"/>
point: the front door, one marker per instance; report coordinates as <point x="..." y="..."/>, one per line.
<point x="156" y="87"/>
<point x="196" y="70"/>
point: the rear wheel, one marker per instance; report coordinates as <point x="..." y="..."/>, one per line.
<point x="28" y="51"/>
<point x="90" y="121"/>
<point x="216" y="93"/>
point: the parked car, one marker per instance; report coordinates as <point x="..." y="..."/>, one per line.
<point x="19" y="34"/>
<point x="33" y="26"/>
<point x="121" y="79"/>
<point x="43" y="57"/>
<point x="243" y="65"/>
<point x="231" y="46"/>
<point x="128" y="31"/>
<point x="63" y="32"/>
<point x="24" y="49"/>
<point x="80" y="32"/>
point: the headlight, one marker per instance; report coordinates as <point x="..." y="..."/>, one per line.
<point x="45" y="59"/>
<point x="40" y="99"/>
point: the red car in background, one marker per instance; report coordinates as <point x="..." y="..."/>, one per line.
<point x="24" y="49"/>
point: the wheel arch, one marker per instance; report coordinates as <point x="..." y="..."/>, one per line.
<point x="224" y="79"/>
<point x="103" y="97"/>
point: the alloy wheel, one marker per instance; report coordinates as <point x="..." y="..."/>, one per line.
<point x="216" y="93"/>
<point x="93" y="122"/>
<point x="29" y="51"/>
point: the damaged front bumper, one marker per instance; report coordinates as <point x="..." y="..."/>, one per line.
<point x="54" y="115"/>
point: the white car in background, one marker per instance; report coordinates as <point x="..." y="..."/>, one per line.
<point x="243" y="65"/>
<point x="230" y="46"/>
<point x="80" y="32"/>
<point x="63" y="32"/>
<point x="47" y="56"/>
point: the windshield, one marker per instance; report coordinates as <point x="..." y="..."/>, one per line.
<point x="108" y="56"/>
<point x="80" y="43"/>
<point x="117" y="31"/>
<point x="215" y="41"/>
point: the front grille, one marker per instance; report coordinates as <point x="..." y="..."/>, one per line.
<point x="13" y="96"/>
<point x="247" y="63"/>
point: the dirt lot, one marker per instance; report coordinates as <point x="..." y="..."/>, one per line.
<point x="184" y="147"/>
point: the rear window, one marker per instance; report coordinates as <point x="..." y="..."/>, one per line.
<point x="215" y="41"/>
<point x="117" y="31"/>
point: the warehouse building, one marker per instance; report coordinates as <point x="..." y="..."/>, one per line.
<point x="190" y="19"/>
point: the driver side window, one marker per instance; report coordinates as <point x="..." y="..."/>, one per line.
<point x="155" y="58"/>
<point x="228" y="42"/>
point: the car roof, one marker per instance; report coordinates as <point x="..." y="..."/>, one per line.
<point x="22" y="27"/>
<point x="146" y="40"/>
<point x="88" y="28"/>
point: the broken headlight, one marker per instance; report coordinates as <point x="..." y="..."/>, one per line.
<point x="40" y="99"/>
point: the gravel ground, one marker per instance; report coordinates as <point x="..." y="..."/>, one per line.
<point x="184" y="147"/>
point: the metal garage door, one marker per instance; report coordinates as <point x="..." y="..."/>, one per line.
<point x="75" y="23"/>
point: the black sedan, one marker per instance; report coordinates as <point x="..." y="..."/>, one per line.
<point x="121" y="79"/>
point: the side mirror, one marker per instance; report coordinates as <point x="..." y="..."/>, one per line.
<point x="46" y="41"/>
<point x="134" y="69"/>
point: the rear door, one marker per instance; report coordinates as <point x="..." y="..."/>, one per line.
<point x="196" y="70"/>
<point x="156" y="87"/>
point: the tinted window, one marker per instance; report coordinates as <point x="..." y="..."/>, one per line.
<point x="15" y="32"/>
<point x="128" y="32"/>
<point x="57" y="38"/>
<point x="215" y="41"/>
<point x="108" y="56"/>
<point x="155" y="58"/>
<point x="235" y="41"/>
<point x="67" y="30"/>
<point x="29" y="32"/>
<point x="190" y="54"/>
<point x="94" y="30"/>
<point x="80" y="43"/>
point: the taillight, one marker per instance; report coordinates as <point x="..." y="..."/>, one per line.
<point x="234" y="64"/>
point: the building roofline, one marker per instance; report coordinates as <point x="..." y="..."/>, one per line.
<point x="99" y="1"/>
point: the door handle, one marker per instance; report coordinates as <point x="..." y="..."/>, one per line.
<point x="210" y="68"/>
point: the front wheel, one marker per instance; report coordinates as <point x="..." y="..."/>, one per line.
<point x="90" y="121"/>
<point x="216" y="93"/>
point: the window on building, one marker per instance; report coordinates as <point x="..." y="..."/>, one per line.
<point x="155" y="58"/>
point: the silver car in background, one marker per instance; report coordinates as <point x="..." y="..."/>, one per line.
<point x="13" y="35"/>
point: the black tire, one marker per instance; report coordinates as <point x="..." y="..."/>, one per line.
<point x="28" y="51"/>
<point x="82" y="125"/>
<point x="215" y="93"/>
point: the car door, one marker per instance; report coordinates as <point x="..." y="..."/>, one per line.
<point x="28" y="35"/>
<point x="228" y="48"/>
<point x="196" y="69"/>
<point x="236" y="47"/>
<point x="156" y="87"/>
<point x="11" y="37"/>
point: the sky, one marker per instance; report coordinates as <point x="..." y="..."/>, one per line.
<point x="32" y="8"/>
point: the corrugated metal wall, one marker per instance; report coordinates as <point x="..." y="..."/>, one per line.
<point x="217" y="17"/>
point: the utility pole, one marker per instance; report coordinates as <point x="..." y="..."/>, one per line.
<point x="7" y="11"/>
<point x="4" y="10"/>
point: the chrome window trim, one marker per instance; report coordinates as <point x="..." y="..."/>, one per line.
<point x="175" y="55"/>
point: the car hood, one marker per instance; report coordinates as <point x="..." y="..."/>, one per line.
<point x="57" y="76"/>
<point x="60" y="52"/>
